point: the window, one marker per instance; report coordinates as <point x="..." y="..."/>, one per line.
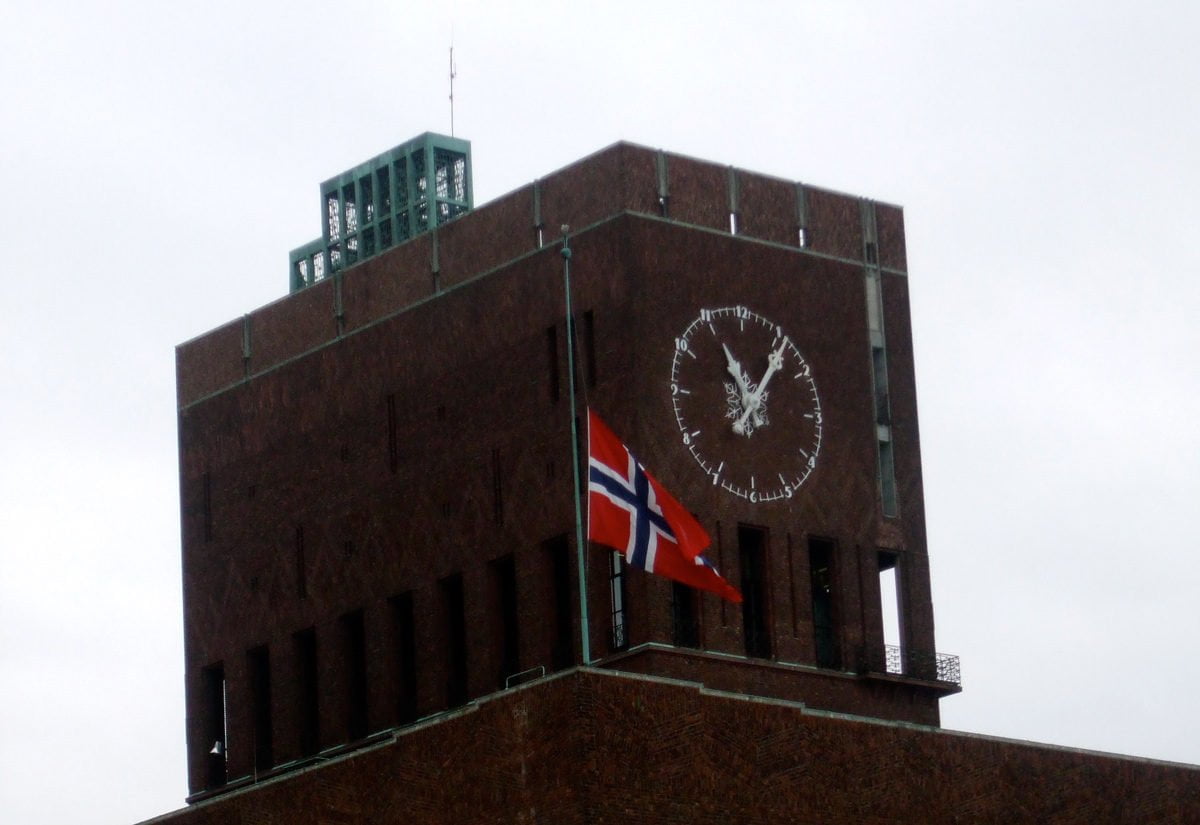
<point x="308" y="715"/>
<point x="890" y="600"/>
<point x="258" y="666"/>
<point x="354" y="669"/>
<point x="405" y="640"/>
<point x="215" y="724"/>
<point x="619" y="640"/>
<point x="824" y="603"/>
<point x="684" y="616"/>
<point x="562" y="653"/>
<point x="504" y="583"/>
<point x="454" y="611"/>
<point x="752" y="549"/>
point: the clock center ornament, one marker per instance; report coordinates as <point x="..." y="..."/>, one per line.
<point x="746" y="404"/>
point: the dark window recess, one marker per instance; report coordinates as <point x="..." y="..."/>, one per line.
<point x="258" y="665"/>
<point x="879" y="368"/>
<point x="504" y="579"/>
<point x="497" y="489"/>
<point x="887" y="480"/>
<point x="870" y="252"/>
<point x="393" y="442"/>
<point x="616" y="591"/>
<point x="354" y="664"/>
<point x="207" y="496"/>
<point x="215" y="742"/>
<point x="752" y="550"/>
<point x="562" y="653"/>
<point x="405" y="639"/>
<point x="308" y="713"/>
<point x="552" y="361"/>
<point x="454" y="609"/>
<point x="589" y="348"/>
<point x="301" y="573"/>
<point x="824" y="603"/>
<point x="685" y="625"/>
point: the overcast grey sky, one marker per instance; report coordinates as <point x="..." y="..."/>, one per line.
<point x="159" y="159"/>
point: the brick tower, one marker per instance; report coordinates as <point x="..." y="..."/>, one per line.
<point x="376" y="470"/>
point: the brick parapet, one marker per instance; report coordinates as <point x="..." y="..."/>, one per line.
<point x="603" y="747"/>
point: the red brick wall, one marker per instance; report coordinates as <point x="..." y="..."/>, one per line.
<point x="601" y="748"/>
<point x="368" y="467"/>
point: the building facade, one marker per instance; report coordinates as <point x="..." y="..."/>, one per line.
<point x="377" y="481"/>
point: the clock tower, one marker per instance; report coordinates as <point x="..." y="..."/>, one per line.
<point x="377" y="507"/>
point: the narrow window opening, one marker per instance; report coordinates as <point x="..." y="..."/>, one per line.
<point x="308" y="715"/>
<point x="802" y="237"/>
<point x="889" y="604"/>
<point x="619" y="639"/>
<point x="733" y="223"/>
<point x="552" y="361"/>
<point x="752" y="549"/>
<point x="405" y="639"/>
<point x="497" y="489"/>
<point x="684" y="616"/>
<point x="454" y="611"/>
<point x="792" y="583"/>
<point x="879" y="368"/>
<point x="305" y="643"/>
<point x="887" y="479"/>
<point x="541" y="237"/>
<point x="301" y="574"/>
<point x="258" y="663"/>
<point x="824" y="606"/>
<point x="354" y="663"/>
<point x="216" y="725"/>
<point x="871" y="253"/>
<point x="504" y="580"/>
<point x="562" y="653"/>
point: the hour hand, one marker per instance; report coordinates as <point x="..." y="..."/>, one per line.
<point x="735" y="369"/>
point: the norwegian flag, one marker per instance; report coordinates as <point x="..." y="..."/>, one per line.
<point x="629" y="511"/>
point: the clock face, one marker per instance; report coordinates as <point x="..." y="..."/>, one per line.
<point x="746" y="404"/>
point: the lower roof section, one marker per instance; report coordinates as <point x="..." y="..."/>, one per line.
<point x="593" y="746"/>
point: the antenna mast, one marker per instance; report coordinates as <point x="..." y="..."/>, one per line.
<point x="453" y="73"/>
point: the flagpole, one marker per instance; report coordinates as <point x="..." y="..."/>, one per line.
<point x="586" y="648"/>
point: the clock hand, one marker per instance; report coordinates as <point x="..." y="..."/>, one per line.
<point x="735" y="369"/>
<point x="754" y="401"/>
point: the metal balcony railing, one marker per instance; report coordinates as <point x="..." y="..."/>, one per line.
<point x="918" y="664"/>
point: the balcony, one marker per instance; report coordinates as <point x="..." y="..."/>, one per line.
<point x="925" y="665"/>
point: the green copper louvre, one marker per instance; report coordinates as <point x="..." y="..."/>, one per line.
<point x="390" y="198"/>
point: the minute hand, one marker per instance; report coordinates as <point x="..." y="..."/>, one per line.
<point x="754" y="401"/>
